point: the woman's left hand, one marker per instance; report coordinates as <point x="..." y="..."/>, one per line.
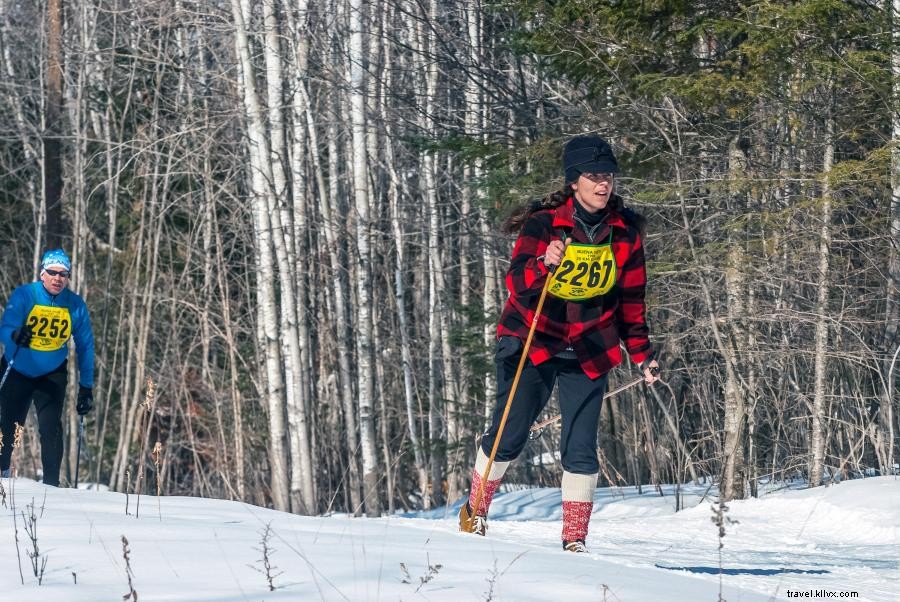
<point x="651" y="372"/>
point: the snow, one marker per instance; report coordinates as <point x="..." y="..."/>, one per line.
<point x="842" y="538"/>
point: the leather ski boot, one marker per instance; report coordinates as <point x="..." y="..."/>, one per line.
<point x="471" y="524"/>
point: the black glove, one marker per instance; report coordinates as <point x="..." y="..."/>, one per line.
<point x="85" y="400"/>
<point x="22" y="336"/>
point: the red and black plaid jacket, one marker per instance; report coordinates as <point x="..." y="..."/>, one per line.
<point x="593" y="327"/>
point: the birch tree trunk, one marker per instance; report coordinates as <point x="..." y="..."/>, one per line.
<point x="302" y="473"/>
<point x="78" y="117"/>
<point x="462" y="452"/>
<point x="364" y="372"/>
<point x="267" y="310"/>
<point x="474" y="172"/>
<point x="301" y="486"/>
<point x="818" y="426"/>
<point x="437" y="245"/>
<point x="734" y="420"/>
<point x="438" y="399"/>
<point x="892" y="317"/>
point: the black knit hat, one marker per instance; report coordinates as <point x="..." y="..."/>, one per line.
<point x="588" y="154"/>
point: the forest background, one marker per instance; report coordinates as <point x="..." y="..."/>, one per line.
<point x="284" y="217"/>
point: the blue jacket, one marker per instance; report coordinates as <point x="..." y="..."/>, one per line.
<point x="53" y="320"/>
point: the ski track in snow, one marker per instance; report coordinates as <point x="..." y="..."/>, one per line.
<point x="840" y="538"/>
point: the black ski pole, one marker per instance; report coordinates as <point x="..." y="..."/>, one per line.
<point x="537" y="429"/>
<point x="78" y="456"/>
<point x="9" y="367"/>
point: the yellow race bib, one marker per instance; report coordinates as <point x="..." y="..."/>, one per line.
<point x="51" y="327"/>
<point x="586" y="271"/>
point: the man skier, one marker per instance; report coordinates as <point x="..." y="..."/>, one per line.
<point x="36" y="326"/>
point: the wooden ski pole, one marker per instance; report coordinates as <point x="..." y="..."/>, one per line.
<point x="512" y="393"/>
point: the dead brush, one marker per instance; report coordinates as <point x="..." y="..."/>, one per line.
<point x="430" y="573"/>
<point x="38" y="560"/>
<point x="720" y="520"/>
<point x="268" y="569"/>
<point x="126" y="554"/>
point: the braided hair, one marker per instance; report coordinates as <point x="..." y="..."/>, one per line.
<point x="520" y="214"/>
<point x="517" y="218"/>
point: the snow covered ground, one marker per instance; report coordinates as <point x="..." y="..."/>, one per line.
<point x="825" y="541"/>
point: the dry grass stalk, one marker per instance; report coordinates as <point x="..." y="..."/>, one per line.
<point x="17" y="436"/>
<point x="157" y="461"/>
<point x="148" y="404"/>
<point x="150" y="395"/>
<point x="127" y="483"/>
<point x="17" y="443"/>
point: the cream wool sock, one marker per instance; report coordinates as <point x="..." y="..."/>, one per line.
<point x="498" y="469"/>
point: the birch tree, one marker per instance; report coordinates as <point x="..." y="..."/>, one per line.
<point x="267" y="314"/>
<point x="892" y="314"/>
<point x="819" y="410"/>
<point x="365" y="373"/>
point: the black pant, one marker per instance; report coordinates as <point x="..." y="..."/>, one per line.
<point x="580" y="399"/>
<point x="49" y="393"/>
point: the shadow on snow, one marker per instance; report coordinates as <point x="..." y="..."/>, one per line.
<point x="714" y="570"/>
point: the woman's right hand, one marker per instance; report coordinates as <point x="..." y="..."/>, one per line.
<point x="554" y="253"/>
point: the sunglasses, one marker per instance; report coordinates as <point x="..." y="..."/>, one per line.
<point x="599" y="177"/>
<point x="62" y="273"/>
